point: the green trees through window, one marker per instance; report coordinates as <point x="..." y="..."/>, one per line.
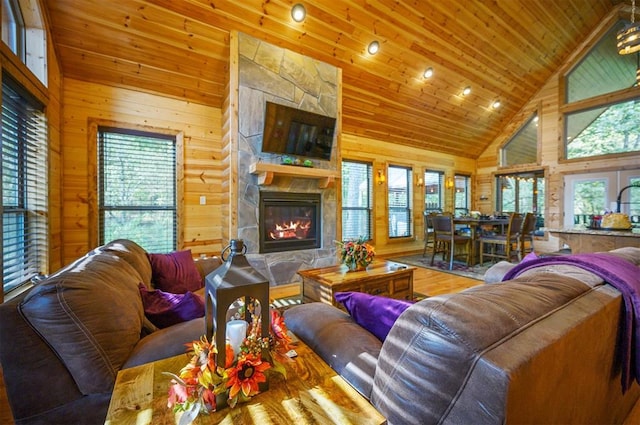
<point x="594" y="124"/>
<point x="137" y="188"/>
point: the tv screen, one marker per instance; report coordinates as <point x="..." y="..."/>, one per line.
<point x="291" y="131"/>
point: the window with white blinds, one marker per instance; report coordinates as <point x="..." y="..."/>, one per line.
<point x="137" y="188"/>
<point x="433" y="191"/>
<point x="357" y="195"/>
<point x="462" y="194"/>
<point x="24" y="186"/>
<point x="399" y="191"/>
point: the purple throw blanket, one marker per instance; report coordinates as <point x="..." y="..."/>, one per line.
<point x="622" y="275"/>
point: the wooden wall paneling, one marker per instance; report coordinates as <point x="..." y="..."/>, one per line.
<point x="55" y="123"/>
<point x="230" y="142"/>
<point x="201" y="127"/>
<point x="382" y="153"/>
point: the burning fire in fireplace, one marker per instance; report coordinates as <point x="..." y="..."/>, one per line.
<point x="293" y="230"/>
<point x="289" y="221"/>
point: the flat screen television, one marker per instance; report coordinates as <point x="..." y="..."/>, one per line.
<point x="291" y="131"/>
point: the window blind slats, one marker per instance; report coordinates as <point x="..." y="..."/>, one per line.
<point x="399" y="201"/>
<point x="434" y="191"/>
<point x="357" y="195"/>
<point x="137" y="188"/>
<point x="24" y="187"/>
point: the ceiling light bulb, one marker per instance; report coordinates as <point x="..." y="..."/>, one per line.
<point x="298" y="12"/>
<point x="428" y="73"/>
<point x="466" y="91"/>
<point x="373" y="48"/>
<point x="496" y="104"/>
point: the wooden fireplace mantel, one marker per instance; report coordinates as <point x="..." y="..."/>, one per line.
<point x="266" y="172"/>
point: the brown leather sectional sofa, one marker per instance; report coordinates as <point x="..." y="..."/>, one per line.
<point x="541" y="348"/>
<point x="63" y="342"/>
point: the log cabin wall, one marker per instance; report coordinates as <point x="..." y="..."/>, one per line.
<point x="384" y="153"/>
<point x="201" y="127"/>
<point x="55" y="123"/>
<point x="548" y="103"/>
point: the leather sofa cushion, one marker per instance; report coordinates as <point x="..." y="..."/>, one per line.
<point x="348" y="348"/>
<point x="435" y="344"/>
<point x="133" y="254"/>
<point x="167" y="342"/>
<point x="90" y="313"/>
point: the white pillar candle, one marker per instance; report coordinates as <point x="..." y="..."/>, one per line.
<point x="236" y="333"/>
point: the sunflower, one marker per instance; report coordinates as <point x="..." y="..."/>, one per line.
<point x="245" y="376"/>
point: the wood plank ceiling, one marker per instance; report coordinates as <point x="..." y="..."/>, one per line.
<point x="503" y="49"/>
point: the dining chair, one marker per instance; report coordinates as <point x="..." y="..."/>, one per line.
<point x="428" y="231"/>
<point x="507" y="242"/>
<point x="526" y="234"/>
<point x="446" y="239"/>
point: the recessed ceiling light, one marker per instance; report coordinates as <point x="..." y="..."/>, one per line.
<point x="428" y="73"/>
<point x="373" y="48"/>
<point x="496" y="104"/>
<point x="298" y="12"/>
<point x="466" y="90"/>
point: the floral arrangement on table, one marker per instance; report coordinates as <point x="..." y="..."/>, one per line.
<point x="195" y="388"/>
<point x="356" y="254"/>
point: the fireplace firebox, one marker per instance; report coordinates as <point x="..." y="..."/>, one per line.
<point x="289" y="221"/>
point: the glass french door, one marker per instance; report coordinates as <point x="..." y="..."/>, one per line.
<point x="596" y="193"/>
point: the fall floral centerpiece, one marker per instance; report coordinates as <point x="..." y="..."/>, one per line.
<point x="356" y="254"/>
<point x="199" y="384"/>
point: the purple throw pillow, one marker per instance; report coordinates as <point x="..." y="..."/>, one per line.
<point x="376" y="314"/>
<point x="175" y="272"/>
<point x="164" y="309"/>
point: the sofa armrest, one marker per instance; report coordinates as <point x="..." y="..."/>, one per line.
<point x="348" y="348"/>
<point x="495" y="273"/>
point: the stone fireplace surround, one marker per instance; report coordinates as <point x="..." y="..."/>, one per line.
<point x="270" y="73"/>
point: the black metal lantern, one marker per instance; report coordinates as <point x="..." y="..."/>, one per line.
<point x="234" y="279"/>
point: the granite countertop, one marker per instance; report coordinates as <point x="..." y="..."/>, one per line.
<point x="634" y="233"/>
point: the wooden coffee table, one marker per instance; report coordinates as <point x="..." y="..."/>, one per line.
<point x="386" y="278"/>
<point x="312" y="393"/>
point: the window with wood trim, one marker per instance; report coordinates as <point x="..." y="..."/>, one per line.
<point x="522" y="148"/>
<point x="357" y="200"/>
<point x="462" y="195"/>
<point x="399" y="201"/>
<point x="594" y="124"/>
<point x="137" y="197"/>
<point x="24" y="186"/>
<point x="23" y="31"/>
<point x="433" y="191"/>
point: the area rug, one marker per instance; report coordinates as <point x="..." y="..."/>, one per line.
<point x="461" y="269"/>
